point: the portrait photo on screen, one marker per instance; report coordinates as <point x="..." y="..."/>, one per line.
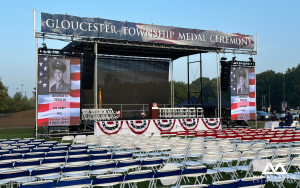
<point x="59" y="75"/>
<point x="242" y="81"/>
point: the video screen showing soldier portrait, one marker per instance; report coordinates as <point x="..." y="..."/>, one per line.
<point x="59" y="74"/>
<point x="58" y="91"/>
<point x="242" y="87"/>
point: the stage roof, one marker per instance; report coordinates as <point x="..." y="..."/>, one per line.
<point x="139" y="49"/>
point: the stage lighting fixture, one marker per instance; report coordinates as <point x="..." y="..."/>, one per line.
<point x="44" y="46"/>
<point x="223" y="59"/>
<point x="251" y="59"/>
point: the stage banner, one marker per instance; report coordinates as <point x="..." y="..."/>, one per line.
<point x="138" y="126"/>
<point x="189" y="124"/>
<point x="242" y="93"/>
<point x="58" y="91"/>
<point x="110" y="127"/>
<point x="122" y="30"/>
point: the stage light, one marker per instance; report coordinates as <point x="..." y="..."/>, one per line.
<point x="44" y="46"/>
<point x="223" y="59"/>
<point x="251" y="59"/>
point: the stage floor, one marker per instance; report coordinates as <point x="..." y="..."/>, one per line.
<point x="155" y="126"/>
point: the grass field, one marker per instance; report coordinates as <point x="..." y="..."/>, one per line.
<point x="23" y="132"/>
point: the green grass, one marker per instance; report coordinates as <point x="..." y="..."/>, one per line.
<point x="8" y="133"/>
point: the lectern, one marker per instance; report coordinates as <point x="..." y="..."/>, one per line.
<point x="153" y="110"/>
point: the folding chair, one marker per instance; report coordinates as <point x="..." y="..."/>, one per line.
<point x="9" y="148"/>
<point x="252" y="182"/>
<point x="211" y="144"/>
<point x="152" y="163"/>
<point x="196" y="154"/>
<point x="77" y="152"/>
<point x="46" y="173"/>
<point x="41" y="149"/>
<point x="138" y="176"/>
<point x="11" y="157"/>
<point x="46" y="145"/>
<point x="295" y="152"/>
<point x="213" y="161"/>
<point x="195" y="172"/>
<point x="124" y="166"/>
<point x="98" y="151"/>
<point x="4" y="166"/>
<point x="22" y="151"/>
<point x="282" y="152"/>
<point x="258" y="147"/>
<point x="213" y="150"/>
<point x="59" y="153"/>
<point x="276" y="180"/>
<point x="247" y="155"/>
<point x="228" y="158"/>
<point x="28" y="164"/>
<point x="67" y="138"/>
<point x="122" y="156"/>
<point x="75" y="182"/>
<point x="79" y="147"/>
<point x="108" y="180"/>
<point x="243" y="147"/>
<point x="166" y="174"/>
<point x="177" y="157"/>
<point x="78" y="159"/>
<point x="37" y="184"/>
<point x="223" y="184"/>
<point x="11" y="176"/>
<point x="2" y="152"/>
<point x="35" y="155"/>
<point x="53" y="161"/>
<point x="102" y="168"/>
<point x="75" y="170"/>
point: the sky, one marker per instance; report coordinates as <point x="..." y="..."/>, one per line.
<point x="275" y="22"/>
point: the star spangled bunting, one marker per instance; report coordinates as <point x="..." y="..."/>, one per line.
<point x="43" y="75"/>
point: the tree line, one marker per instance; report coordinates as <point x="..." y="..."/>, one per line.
<point x="265" y="80"/>
<point x="16" y="103"/>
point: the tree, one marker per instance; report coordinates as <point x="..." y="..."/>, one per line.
<point x="3" y="96"/>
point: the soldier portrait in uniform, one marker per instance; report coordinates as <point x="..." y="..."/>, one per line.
<point x="242" y="82"/>
<point x="60" y="76"/>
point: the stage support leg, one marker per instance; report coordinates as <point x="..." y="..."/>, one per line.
<point x="95" y="78"/>
<point x="36" y="85"/>
<point x="201" y="94"/>
<point x="220" y="86"/>
<point x="255" y="93"/>
<point x="188" y="80"/>
<point x="217" y="84"/>
<point x="173" y="85"/>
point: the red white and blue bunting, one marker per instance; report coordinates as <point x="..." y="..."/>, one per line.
<point x="110" y="127"/>
<point x="138" y="126"/>
<point x="211" y="123"/>
<point x="150" y="127"/>
<point x="164" y="124"/>
<point x="189" y="124"/>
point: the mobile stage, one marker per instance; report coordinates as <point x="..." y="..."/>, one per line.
<point x="128" y="66"/>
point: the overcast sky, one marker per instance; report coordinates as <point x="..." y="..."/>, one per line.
<point x="275" y="22"/>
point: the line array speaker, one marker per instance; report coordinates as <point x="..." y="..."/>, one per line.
<point x="225" y="73"/>
<point x="87" y="74"/>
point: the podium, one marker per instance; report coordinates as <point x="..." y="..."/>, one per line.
<point x="153" y="110"/>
